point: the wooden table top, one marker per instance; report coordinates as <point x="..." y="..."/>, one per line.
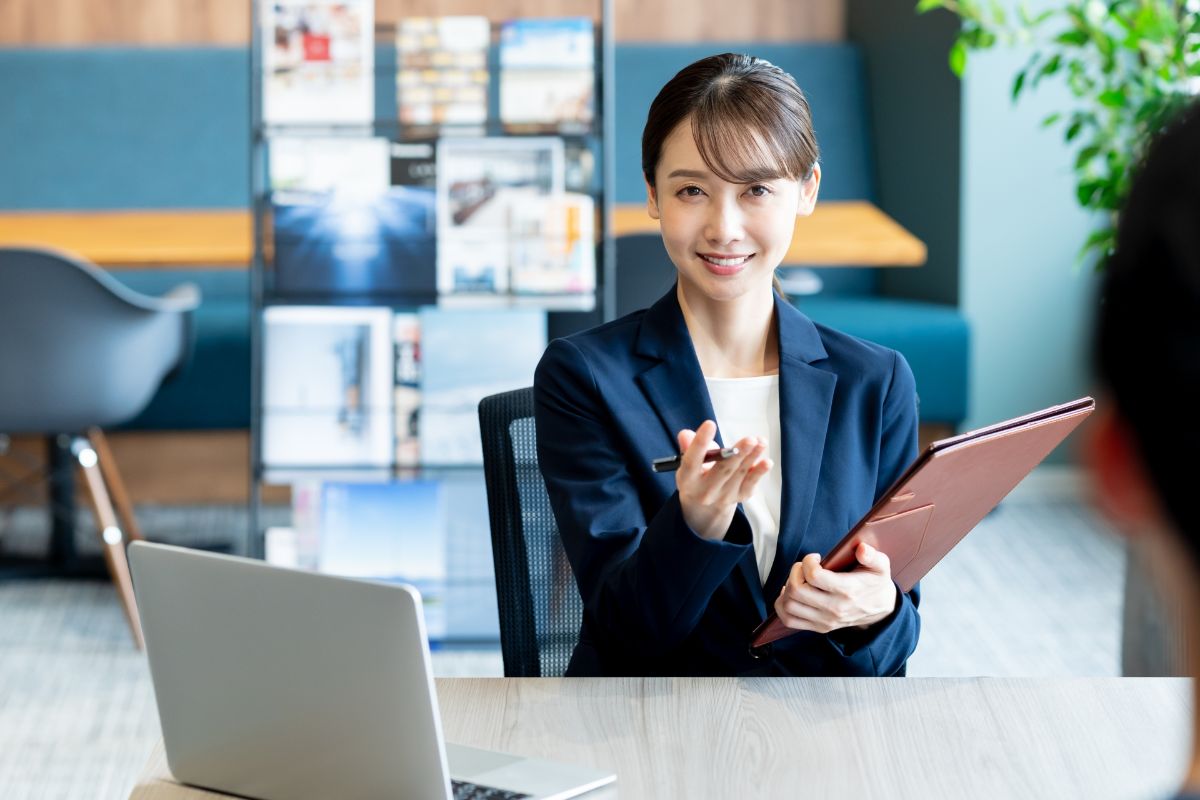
<point x="826" y="737"/>
<point x="837" y="233"/>
<point x="182" y="238"/>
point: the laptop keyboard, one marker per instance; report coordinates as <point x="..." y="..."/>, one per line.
<point x="473" y="791"/>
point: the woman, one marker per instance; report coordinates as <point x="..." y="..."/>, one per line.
<point x="676" y="569"/>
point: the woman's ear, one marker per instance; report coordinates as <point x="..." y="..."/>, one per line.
<point x="808" y="192"/>
<point x="1120" y="485"/>
<point x="651" y="201"/>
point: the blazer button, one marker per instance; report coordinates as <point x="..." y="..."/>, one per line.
<point x="762" y="652"/>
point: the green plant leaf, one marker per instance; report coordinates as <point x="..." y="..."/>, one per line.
<point x="1086" y="155"/>
<point x="1049" y="68"/>
<point x="1100" y="236"/>
<point x="1017" y="84"/>
<point x="1075" y="38"/>
<point x="1087" y="191"/>
<point x="1023" y="13"/>
<point x="958" y="58"/>
<point x="1130" y="64"/>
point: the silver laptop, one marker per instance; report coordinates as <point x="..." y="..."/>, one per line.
<point x="279" y="684"/>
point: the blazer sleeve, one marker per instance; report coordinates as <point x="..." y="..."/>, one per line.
<point x="644" y="582"/>
<point x="892" y="640"/>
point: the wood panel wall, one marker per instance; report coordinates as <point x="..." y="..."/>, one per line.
<point x="164" y="23"/>
<point x="156" y="23"/>
<point x="731" y="20"/>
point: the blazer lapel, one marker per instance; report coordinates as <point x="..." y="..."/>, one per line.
<point x="805" y="400"/>
<point x="676" y="390"/>
<point x="675" y="385"/>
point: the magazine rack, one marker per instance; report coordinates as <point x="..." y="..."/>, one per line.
<point x="350" y="323"/>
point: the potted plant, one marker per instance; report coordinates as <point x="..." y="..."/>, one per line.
<point x="1130" y="64"/>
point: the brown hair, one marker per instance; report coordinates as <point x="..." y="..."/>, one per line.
<point x="750" y="121"/>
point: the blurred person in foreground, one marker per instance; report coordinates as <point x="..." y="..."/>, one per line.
<point x="1146" y="439"/>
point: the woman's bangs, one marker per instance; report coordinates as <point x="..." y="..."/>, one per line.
<point x="741" y="149"/>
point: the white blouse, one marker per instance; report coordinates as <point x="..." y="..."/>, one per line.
<point x="750" y="407"/>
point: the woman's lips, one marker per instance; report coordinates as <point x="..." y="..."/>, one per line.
<point x="724" y="263"/>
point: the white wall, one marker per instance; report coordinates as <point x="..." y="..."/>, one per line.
<point x="1025" y="295"/>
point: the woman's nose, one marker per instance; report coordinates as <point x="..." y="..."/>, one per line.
<point x="724" y="223"/>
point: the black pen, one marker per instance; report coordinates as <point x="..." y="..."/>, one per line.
<point x="671" y="463"/>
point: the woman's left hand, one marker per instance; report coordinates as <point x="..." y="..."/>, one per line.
<point x="816" y="599"/>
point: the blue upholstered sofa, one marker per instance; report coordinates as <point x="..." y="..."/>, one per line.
<point x="116" y="128"/>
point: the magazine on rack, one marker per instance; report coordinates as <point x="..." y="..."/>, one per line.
<point x="327" y="387"/>
<point x="442" y="74"/>
<point x="407" y="400"/>
<point x="318" y="61"/>
<point x="339" y="226"/>
<point x="547" y="75"/>
<point x="392" y="531"/>
<point x="467" y="354"/>
<point x="553" y="246"/>
<point x="479" y="183"/>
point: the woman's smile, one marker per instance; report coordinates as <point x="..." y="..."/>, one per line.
<point x="724" y="263"/>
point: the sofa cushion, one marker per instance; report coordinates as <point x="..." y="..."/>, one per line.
<point x="934" y="338"/>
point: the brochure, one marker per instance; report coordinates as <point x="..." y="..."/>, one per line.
<point x="318" y="61"/>
<point x="327" y="386"/>
<point x="479" y="182"/>
<point x="442" y="75"/>
<point x="392" y="531"/>
<point x="340" y="228"/>
<point x="554" y="246"/>
<point x="465" y="356"/>
<point x="547" y="75"/>
<point x="407" y="399"/>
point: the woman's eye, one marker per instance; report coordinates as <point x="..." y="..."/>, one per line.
<point x="690" y="191"/>
<point x="759" y="191"/>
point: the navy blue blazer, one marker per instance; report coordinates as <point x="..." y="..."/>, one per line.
<point x="660" y="600"/>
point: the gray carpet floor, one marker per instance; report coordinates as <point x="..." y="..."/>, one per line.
<point x="1035" y="590"/>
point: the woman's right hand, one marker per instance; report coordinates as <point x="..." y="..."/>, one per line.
<point x="709" y="492"/>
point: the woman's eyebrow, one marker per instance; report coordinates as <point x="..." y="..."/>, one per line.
<point x="687" y="173"/>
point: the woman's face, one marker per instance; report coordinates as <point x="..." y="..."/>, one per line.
<point x="725" y="239"/>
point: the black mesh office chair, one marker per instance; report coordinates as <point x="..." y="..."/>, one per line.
<point x="539" y="603"/>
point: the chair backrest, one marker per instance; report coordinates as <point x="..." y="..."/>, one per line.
<point x="539" y="603"/>
<point x="77" y="348"/>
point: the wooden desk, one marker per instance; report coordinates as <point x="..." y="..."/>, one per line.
<point x="827" y="737"/>
<point x="186" y="238"/>
<point x="837" y="234"/>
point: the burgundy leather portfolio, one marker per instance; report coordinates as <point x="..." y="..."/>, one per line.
<point x="942" y="495"/>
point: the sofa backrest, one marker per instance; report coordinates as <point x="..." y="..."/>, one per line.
<point x="105" y="128"/>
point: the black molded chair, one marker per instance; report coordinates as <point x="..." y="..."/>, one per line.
<point x="80" y="351"/>
<point x="539" y="603"/>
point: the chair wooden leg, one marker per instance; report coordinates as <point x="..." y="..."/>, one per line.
<point x="116" y="486"/>
<point x="111" y="537"/>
